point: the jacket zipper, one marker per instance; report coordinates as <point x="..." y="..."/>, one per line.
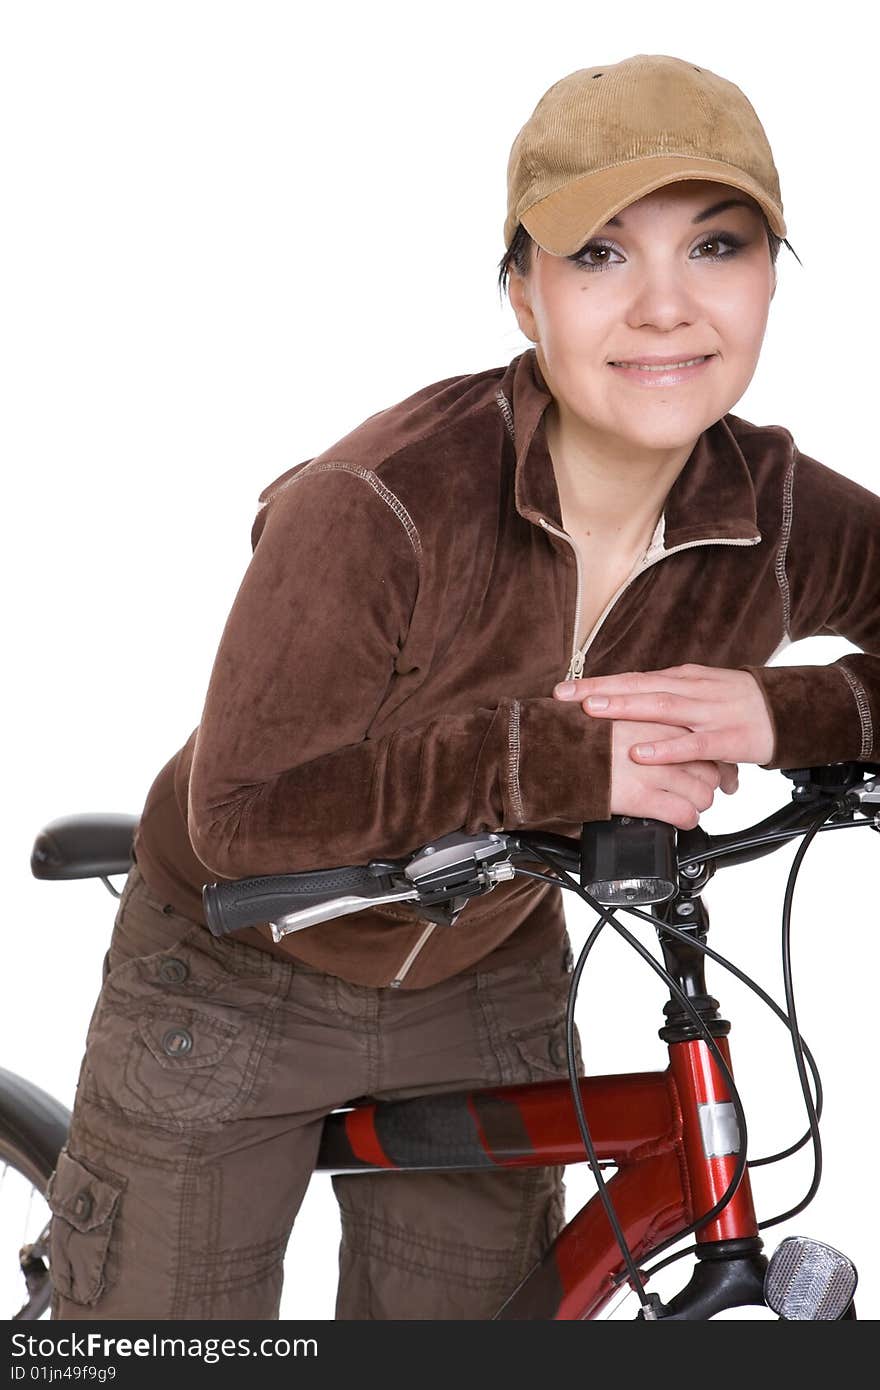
<point x="578" y="657"/>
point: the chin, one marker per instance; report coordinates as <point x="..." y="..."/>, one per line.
<point x="669" y="434"/>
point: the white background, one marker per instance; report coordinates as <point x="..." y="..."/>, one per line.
<point x="231" y="232"/>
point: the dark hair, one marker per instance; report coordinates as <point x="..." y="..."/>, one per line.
<point x="518" y="253"/>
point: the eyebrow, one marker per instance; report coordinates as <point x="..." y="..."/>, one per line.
<point x="701" y="216"/>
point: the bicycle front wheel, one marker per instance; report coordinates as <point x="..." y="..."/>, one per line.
<point x="33" y="1128"/>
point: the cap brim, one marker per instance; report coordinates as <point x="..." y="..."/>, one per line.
<point x="564" y="220"/>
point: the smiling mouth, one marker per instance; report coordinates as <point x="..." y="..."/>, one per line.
<point x="662" y="366"/>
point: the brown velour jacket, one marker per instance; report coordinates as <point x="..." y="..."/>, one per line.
<point x="386" y="671"/>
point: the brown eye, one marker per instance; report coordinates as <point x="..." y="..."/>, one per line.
<point x="593" y="249"/>
<point x="720" y="239"/>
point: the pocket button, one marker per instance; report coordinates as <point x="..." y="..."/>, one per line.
<point x="173" y="971"/>
<point x="559" y="1052"/>
<point x="83" y="1205"/>
<point x="177" y="1041"/>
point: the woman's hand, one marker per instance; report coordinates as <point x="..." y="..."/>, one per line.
<point x="673" y="792"/>
<point x="723" y="712"/>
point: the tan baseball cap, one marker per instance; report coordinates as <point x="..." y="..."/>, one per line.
<point x="603" y="137"/>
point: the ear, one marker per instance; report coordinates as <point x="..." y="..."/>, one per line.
<point x="518" y="294"/>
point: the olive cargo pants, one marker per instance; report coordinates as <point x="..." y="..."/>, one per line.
<point x="209" y="1068"/>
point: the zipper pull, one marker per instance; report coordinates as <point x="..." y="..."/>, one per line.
<point x="576" y="667"/>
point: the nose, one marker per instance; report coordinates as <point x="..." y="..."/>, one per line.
<point x="663" y="297"/>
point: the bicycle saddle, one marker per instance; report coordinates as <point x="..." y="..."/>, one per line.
<point x="84" y="846"/>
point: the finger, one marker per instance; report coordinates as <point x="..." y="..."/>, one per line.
<point x="622" y="681"/>
<point x="682" y="782"/>
<point x="716" y="774"/>
<point x="675" y="810"/>
<point x="709" y="773"/>
<point x="693" y="670"/>
<point x="729" y="773"/>
<point x="651" y="707"/>
<point x="668" y="677"/>
<point x="692" y="747"/>
<point x="579" y="689"/>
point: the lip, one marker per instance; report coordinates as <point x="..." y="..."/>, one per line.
<point x="653" y="359"/>
<point x="673" y="377"/>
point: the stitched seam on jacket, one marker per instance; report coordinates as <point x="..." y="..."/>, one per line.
<point x="392" y="500"/>
<point x="864" y="708"/>
<point x="513" y="762"/>
<point x="435" y="432"/>
<point x="504" y="407"/>
<point x="781" y="571"/>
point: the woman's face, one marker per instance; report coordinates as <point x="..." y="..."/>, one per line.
<point x="667" y="280"/>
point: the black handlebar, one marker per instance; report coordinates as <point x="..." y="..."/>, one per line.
<point x="243" y="902"/>
<point x="621" y="860"/>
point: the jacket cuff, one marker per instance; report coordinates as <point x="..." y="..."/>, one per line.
<point x="814" y="714"/>
<point x="557" y="773"/>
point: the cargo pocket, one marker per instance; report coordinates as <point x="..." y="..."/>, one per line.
<point x="84" y="1205"/>
<point x="186" y="1065"/>
<point x="523" y="1008"/>
<point x="177" y="1037"/>
<point x="541" y="1048"/>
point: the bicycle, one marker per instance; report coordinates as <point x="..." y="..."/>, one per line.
<point x="677" y="1138"/>
<point x="33" y="1124"/>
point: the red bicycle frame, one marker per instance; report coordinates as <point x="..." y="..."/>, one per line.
<point x="671" y="1135"/>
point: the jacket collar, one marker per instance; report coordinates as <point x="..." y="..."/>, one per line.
<point x="713" y="496"/>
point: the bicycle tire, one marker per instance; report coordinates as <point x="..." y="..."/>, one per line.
<point x="33" y="1128"/>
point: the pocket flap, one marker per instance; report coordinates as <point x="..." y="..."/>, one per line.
<point x="83" y="1198"/>
<point x="182" y="1037"/>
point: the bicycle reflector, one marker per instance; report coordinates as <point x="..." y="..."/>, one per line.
<point x="808" y="1281"/>
<point x="628" y="860"/>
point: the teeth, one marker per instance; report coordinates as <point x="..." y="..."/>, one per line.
<point x="664" y="367"/>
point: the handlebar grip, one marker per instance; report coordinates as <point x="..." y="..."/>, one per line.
<point x="244" y="902"/>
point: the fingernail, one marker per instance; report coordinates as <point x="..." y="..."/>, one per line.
<point x="645" y="750"/>
<point x="565" y="688"/>
<point x="597" y="701"/>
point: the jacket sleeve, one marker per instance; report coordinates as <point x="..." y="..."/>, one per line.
<point x="284" y="776"/>
<point x="831" y="568"/>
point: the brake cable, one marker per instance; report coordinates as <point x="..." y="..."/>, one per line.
<point x="797" y="1042"/>
<point x="795" y="1035"/>
<point x="607" y="914"/>
<point x="565" y="879"/>
<point x="767" y="999"/>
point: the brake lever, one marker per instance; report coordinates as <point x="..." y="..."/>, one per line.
<point x="869" y="793"/>
<point x="454" y="868"/>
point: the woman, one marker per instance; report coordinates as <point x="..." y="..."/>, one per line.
<point x="393" y="668"/>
